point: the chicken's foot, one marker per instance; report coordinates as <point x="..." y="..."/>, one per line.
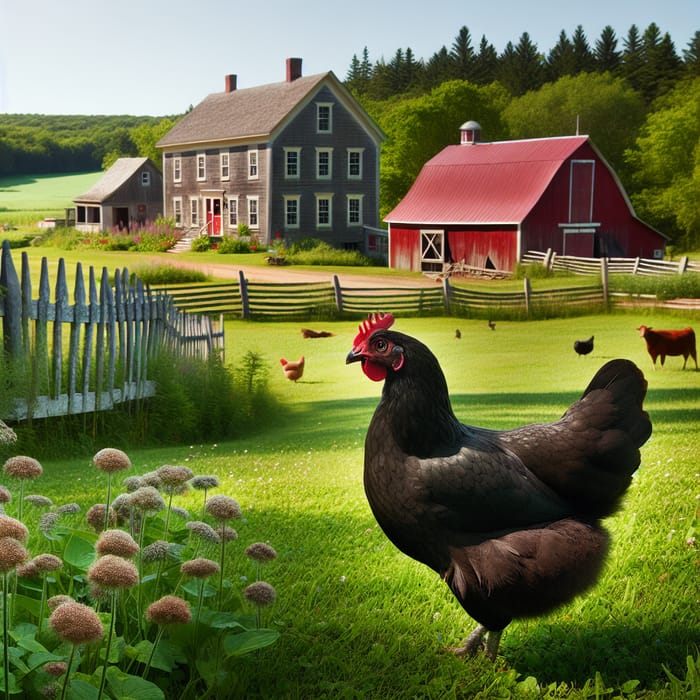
<point x="480" y="639"/>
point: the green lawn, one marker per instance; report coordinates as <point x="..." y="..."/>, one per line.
<point x="359" y="619"/>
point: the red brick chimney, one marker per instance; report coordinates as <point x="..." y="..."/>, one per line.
<point x="293" y="69"/>
<point x="231" y="82"/>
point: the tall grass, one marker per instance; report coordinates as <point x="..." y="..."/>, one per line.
<point x="360" y="620"/>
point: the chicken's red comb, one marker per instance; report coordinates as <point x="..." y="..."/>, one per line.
<point x="371" y="324"/>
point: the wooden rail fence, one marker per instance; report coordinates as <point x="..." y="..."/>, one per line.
<point x="65" y="358"/>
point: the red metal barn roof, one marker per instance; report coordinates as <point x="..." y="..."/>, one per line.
<point x="484" y="183"/>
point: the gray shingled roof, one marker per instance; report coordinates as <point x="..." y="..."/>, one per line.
<point x="112" y="180"/>
<point x="249" y="112"/>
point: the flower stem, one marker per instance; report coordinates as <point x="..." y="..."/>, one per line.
<point x="109" y="645"/>
<point x="67" y="676"/>
<point x="153" y="651"/>
<point x="5" y="637"/>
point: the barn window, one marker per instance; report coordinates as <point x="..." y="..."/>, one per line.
<point x="581" y="191"/>
<point x="432" y="250"/>
<point x="145" y="178"/>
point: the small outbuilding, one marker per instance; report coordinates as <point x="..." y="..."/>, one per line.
<point x="486" y="204"/>
<point x="128" y="195"/>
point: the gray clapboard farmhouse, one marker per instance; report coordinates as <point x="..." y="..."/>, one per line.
<point x="293" y="159"/>
<point x="129" y="194"/>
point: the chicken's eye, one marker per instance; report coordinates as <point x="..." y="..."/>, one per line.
<point x="381" y="345"/>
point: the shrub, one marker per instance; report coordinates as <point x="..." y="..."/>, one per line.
<point x="167" y="274"/>
<point x="316" y="252"/>
<point x="200" y="244"/>
<point x="233" y="244"/>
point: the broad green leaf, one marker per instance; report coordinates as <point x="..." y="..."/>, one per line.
<point x="241" y="643"/>
<point x="79" y="553"/>
<point x="125" y="686"/>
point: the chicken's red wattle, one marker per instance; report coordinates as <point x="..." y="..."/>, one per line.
<point x="374" y="371"/>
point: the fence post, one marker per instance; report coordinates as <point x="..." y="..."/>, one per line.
<point x="604" y="278"/>
<point x="446" y="293"/>
<point x="682" y="264"/>
<point x="12" y="319"/>
<point x="548" y="259"/>
<point x="528" y="291"/>
<point x="338" y="294"/>
<point x="245" y="304"/>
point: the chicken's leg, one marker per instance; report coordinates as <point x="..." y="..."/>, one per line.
<point x="480" y="638"/>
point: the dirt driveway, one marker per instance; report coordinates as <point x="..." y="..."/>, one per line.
<point x="286" y="274"/>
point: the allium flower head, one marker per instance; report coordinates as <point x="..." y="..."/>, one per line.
<point x="169" y="610"/>
<point x="68" y="509"/>
<point x="47" y="522"/>
<point x="12" y="554"/>
<point x="199" y="568"/>
<point x="261" y="552"/>
<point x="203" y="530"/>
<point x="37" y="500"/>
<point x="95" y="517"/>
<point x="260" y="593"/>
<point x="147" y="499"/>
<point x="222" y="507"/>
<point x="28" y="570"/>
<point x="56" y="668"/>
<point x="76" y="623"/>
<point x="111" y="460"/>
<point x="111" y="571"/>
<point x="10" y="527"/>
<point x="7" y="435"/>
<point x="174" y="476"/>
<point x="47" y="562"/>
<point x="23" y="467"/>
<point x="226" y="533"/>
<point x="55" y="600"/>
<point x="181" y="512"/>
<point x="131" y="483"/>
<point x="116" y="542"/>
<point x="156" y="551"/>
<point x="5" y="495"/>
<point x="204" y="483"/>
<point x="150" y="479"/>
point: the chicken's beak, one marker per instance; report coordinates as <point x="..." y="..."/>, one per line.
<point x="353" y="356"/>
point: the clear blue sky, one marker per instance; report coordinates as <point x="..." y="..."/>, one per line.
<point x="158" y="57"/>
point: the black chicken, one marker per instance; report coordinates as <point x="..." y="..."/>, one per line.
<point x="509" y="519"/>
<point x="583" y="347"/>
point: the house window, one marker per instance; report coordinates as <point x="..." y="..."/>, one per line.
<point x="225" y="165"/>
<point x="145" y="178"/>
<point x="354" y="210"/>
<point x="194" y="211"/>
<point x="253" y="164"/>
<point x="233" y="211"/>
<point x="291" y="211"/>
<point x="292" y="159"/>
<point x="324" y="118"/>
<point x="177" y="210"/>
<point x="355" y="163"/>
<point x="324" y="163"/>
<point x="324" y="210"/>
<point x="253" y="212"/>
<point x="177" y="169"/>
<point x="201" y="167"/>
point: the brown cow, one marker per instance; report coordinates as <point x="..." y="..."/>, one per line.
<point x="662" y="343"/>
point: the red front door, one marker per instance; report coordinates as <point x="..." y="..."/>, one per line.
<point x="213" y="210"/>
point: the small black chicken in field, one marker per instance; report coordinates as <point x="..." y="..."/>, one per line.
<point x="583" y="347"/>
<point x="509" y="519"/>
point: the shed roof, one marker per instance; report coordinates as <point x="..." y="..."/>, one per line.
<point x="254" y="112"/>
<point x="113" y="178"/>
<point x="484" y="183"/>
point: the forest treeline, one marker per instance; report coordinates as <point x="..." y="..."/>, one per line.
<point x="637" y="97"/>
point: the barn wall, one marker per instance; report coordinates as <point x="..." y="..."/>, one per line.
<point x="477" y="246"/>
<point x="404" y="248"/>
<point x="619" y="234"/>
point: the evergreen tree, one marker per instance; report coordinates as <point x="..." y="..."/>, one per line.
<point x="560" y="60"/>
<point x="462" y="55"/>
<point x="485" y="63"/>
<point x="521" y="67"/>
<point x="661" y="64"/>
<point x="437" y="70"/>
<point x="691" y="56"/>
<point x="633" y="57"/>
<point x="584" y="59"/>
<point x="606" y="54"/>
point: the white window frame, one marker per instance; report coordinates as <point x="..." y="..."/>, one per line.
<point x="201" y="165"/>
<point x="289" y="151"/>
<point x="322" y="197"/>
<point x="177" y="169"/>
<point x="253" y="164"/>
<point x="324" y="111"/>
<point x="253" y="211"/>
<point x="359" y="152"/>
<point x="194" y="211"/>
<point x="225" y="165"/>
<point x="145" y="178"/>
<point x="350" y="199"/>
<point x="320" y="152"/>
<point x="232" y="217"/>
<point x="288" y="200"/>
<point x="177" y="211"/>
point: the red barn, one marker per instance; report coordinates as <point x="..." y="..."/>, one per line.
<point x="486" y="204"/>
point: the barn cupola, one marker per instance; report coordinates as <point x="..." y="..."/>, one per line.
<point x="470" y="132"/>
<point x="230" y="83"/>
